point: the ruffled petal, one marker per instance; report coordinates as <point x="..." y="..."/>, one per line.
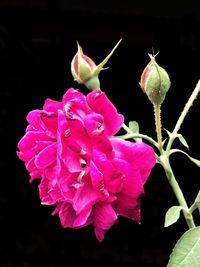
<point x="33" y="118"/>
<point x="129" y="208"/>
<point x="112" y="176"/>
<point x="104" y="218"/>
<point x="132" y="183"/>
<point x="29" y="140"/>
<point x="128" y="199"/>
<point x="77" y="102"/>
<point x="83" y="218"/>
<point x="99" y="103"/>
<point x="139" y="155"/>
<point x="67" y="215"/>
<point x="46" y="157"/>
<point x="85" y="196"/>
<point x="52" y="105"/>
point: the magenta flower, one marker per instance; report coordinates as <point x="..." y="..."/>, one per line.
<point x="89" y="175"/>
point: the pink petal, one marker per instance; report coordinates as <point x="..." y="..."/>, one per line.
<point x="104" y="218"/>
<point x="129" y="208"/>
<point x="28" y="141"/>
<point x="44" y="193"/>
<point x="49" y="121"/>
<point x="47" y="156"/>
<point x="67" y="215"/>
<point x="79" y="133"/>
<point x="97" y="180"/>
<point x="112" y="176"/>
<point x="99" y="103"/>
<point x="34" y="175"/>
<point x="83" y="218"/>
<point x="40" y="145"/>
<point x="33" y="118"/>
<point x="132" y="183"/>
<point x="139" y="155"/>
<point x="69" y="218"/>
<point x="30" y="165"/>
<point x="72" y="94"/>
<point x="85" y="196"/>
<point x="94" y="124"/>
<point x="52" y="105"/>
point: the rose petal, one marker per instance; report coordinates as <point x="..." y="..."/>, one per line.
<point x="83" y="218"/>
<point x="85" y="196"/>
<point x="99" y="103"/>
<point x="129" y="208"/>
<point x="104" y="218"/>
<point x="111" y="174"/>
<point x="139" y="155"/>
<point x="52" y="105"/>
<point x="46" y="157"/>
<point x="67" y="215"/>
<point x="28" y="141"/>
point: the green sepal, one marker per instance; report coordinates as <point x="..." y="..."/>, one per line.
<point x="101" y="65"/>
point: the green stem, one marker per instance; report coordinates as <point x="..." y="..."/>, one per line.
<point x="164" y="160"/>
<point x="183" y="114"/>
<point x="126" y="128"/>
<point x="193" y="208"/>
<point x="138" y="135"/>
<point x="195" y="204"/>
<point x="157" y="114"/>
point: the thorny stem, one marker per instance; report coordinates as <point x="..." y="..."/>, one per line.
<point x="157" y="112"/>
<point x="163" y="159"/>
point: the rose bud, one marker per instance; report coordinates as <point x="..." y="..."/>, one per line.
<point x="85" y="71"/>
<point x="155" y="82"/>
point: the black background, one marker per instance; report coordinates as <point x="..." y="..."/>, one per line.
<point x="37" y="44"/>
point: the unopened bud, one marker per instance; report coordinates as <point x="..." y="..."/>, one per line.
<point x="85" y="71"/>
<point x="82" y="67"/>
<point x="155" y="82"/>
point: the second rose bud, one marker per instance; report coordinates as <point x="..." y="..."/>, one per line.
<point x="155" y="82"/>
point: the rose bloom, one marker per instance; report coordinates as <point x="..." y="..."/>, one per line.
<point x="90" y="176"/>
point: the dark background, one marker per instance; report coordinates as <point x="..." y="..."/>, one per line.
<point x="37" y="44"/>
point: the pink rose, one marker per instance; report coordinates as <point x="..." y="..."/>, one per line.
<point x="89" y="175"/>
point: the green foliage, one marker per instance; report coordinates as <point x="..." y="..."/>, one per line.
<point x="134" y="127"/>
<point x="186" y="252"/>
<point x="172" y="215"/>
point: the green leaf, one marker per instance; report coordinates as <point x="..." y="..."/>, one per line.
<point x="186" y="252"/>
<point x="182" y="140"/>
<point x="195" y="161"/>
<point x="172" y="215"/>
<point x="134" y="127"/>
<point x="197" y="199"/>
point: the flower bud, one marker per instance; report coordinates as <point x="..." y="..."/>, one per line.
<point x="85" y="71"/>
<point x="155" y="82"/>
<point x="82" y="67"/>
